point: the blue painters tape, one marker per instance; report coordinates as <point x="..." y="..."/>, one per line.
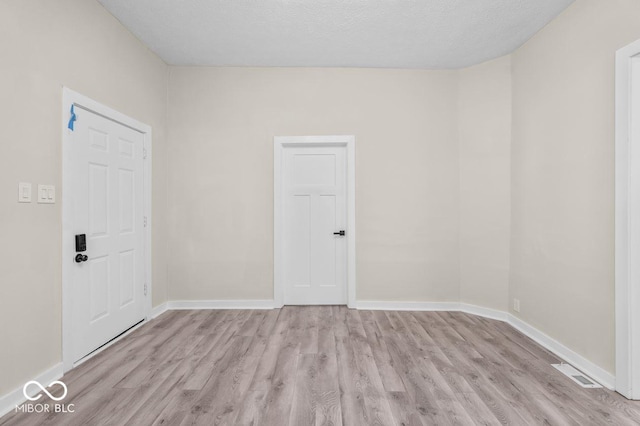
<point x="72" y="119"/>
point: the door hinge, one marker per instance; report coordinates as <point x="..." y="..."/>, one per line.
<point x="144" y="221"/>
<point x="145" y="289"/>
<point x="144" y="153"/>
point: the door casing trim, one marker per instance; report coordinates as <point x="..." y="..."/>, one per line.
<point x="280" y="143"/>
<point x="69" y="98"/>
<point x="627" y="221"/>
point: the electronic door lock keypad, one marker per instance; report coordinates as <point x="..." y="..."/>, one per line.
<point x="81" y="246"/>
<point x="81" y="243"/>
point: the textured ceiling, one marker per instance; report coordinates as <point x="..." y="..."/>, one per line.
<point x="334" y="33"/>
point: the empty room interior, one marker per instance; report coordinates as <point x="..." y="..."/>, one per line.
<point x="335" y="212"/>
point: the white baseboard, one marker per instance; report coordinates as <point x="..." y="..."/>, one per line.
<point x="483" y="312"/>
<point x="432" y="306"/>
<point x="16" y="397"/>
<point x="598" y="374"/>
<point x="158" y="310"/>
<point x="220" y="304"/>
<point x="370" y="305"/>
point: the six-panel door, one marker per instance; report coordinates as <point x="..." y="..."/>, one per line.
<point x="107" y="190"/>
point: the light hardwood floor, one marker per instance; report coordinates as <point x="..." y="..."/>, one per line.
<point x="328" y="366"/>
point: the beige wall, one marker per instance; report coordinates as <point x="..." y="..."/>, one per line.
<point x="45" y="45"/>
<point x="562" y="249"/>
<point x="443" y="170"/>
<point x="221" y="127"/>
<point x="484" y="115"/>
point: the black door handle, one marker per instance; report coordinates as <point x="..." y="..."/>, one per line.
<point x="341" y="233"/>
<point x="81" y="258"/>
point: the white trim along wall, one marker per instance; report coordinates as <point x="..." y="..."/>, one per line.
<point x="279" y="143"/>
<point x="627" y="281"/>
<point x="69" y="98"/>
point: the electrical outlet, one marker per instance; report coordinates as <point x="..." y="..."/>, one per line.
<point x="516" y="305"/>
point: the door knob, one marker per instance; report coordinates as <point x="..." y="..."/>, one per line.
<point x="341" y="233"/>
<point x="81" y="258"/>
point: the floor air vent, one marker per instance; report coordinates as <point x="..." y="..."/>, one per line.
<point x="576" y="376"/>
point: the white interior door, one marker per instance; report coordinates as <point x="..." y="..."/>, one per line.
<point x="106" y="171"/>
<point x="315" y="211"/>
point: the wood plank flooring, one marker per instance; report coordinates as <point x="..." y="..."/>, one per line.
<point x="329" y="365"/>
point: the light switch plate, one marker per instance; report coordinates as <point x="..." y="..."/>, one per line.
<point x="46" y="194"/>
<point x="24" y="192"/>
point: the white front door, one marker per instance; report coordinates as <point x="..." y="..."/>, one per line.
<point x="107" y="289"/>
<point x="315" y="211"/>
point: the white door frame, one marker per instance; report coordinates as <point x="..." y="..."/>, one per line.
<point x="627" y="258"/>
<point x="69" y="98"/>
<point x="280" y="143"/>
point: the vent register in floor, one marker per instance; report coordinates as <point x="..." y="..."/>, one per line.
<point x="576" y="376"/>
